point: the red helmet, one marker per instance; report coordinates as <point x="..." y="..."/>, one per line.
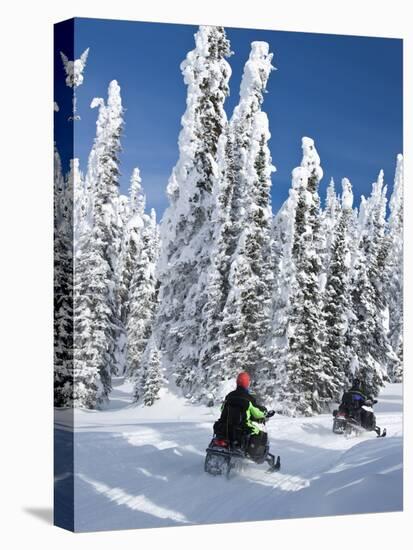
<point x="243" y="380"/>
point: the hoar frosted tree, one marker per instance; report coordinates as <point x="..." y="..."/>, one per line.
<point x="336" y="355"/>
<point x="131" y="245"/>
<point x="394" y="272"/>
<point x="234" y="324"/>
<point x="96" y="313"/>
<point x="148" y="384"/>
<point x="186" y="230"/>
<point x="63" y="285"/>
<point x="371" y="350"/>
<point x="131" y="214"/>
<point x="142" y="300"/>
<point x="306" y="388"/>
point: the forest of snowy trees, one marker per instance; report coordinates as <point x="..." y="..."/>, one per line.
<point x="304" y="299"/>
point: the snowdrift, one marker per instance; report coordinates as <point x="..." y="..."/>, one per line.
<point x="143" y="467"/>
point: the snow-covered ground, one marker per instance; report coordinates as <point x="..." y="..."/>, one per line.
<point x="143" y="467"/>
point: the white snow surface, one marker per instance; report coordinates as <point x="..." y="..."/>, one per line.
<point x="143" y="467"/>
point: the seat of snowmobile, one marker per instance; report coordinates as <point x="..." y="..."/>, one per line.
<point x="231" y="425"/>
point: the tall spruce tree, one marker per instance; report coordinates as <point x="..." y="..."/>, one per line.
<point x="80" y="223"/>
<point x="285" y="274"/>
<point x="186" y="226"/>
<point x="96" y="312"/>
<point x="149" y="381"/>
<point x="131" y="222"/>
<point x="63" y="287"/>
<point x="242" y="199"/>
<point x="212" y="369"/>
<point x="394" y="272"/>
<point x="246" y="319"/>
<point x="336" y="311"/>
<point x="142" y="297"/>
<point x="329" y="217"/>
<point x="306" y="388"/>
<point x="371" y="350"/>
<point x="131" y="245"/>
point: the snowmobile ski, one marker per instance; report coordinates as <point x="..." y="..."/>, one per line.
<point x="380" y="432"/>
<point x="275" y="467"/>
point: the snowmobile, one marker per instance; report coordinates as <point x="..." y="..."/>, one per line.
<point x="351" y="424"/>
<point x="224" y="456"/>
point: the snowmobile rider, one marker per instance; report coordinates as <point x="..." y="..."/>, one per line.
<point x="353" y="401"/>
<point x="239" y="412"/>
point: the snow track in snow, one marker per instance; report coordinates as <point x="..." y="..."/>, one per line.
<point x="137" y="467"/>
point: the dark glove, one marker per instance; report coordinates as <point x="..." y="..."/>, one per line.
<point x="270" y="414"/>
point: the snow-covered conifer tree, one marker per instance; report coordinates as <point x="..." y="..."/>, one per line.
<point x="131" y="219"/>
<point x="148" y="382"/>
<point x="368" y="331"/>
<point x="123" y="214"/>
<point x="142" y="297"/>
<point x="246" y="323"/>
<point x="306" y="388"/>
<point x="63" y="289"/>
<point x="284" y="273"/>
<point x="186" y="229"/>
<point x="329" y="218"/>
<point x="96" y="312"/>
<point x="394" y="271"/>
<point x="93" y="164"/>
<point x="75" y="187"/>
<point x="212" y="369"/>
<point x="58" y="188"/>
<point x="332" y="207"/>
<point x="337" y="300"/>
<point x="131" y="242"/>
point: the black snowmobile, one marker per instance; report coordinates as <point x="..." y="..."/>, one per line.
<point x="226" y="455"/>
<point x="354" y="422"/>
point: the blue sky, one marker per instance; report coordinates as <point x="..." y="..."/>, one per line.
<point x="343" y="91"/>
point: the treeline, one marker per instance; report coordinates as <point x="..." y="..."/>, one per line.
<point x="304" y="299"/>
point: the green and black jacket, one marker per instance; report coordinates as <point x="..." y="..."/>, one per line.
<point x="240" y="408"/>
